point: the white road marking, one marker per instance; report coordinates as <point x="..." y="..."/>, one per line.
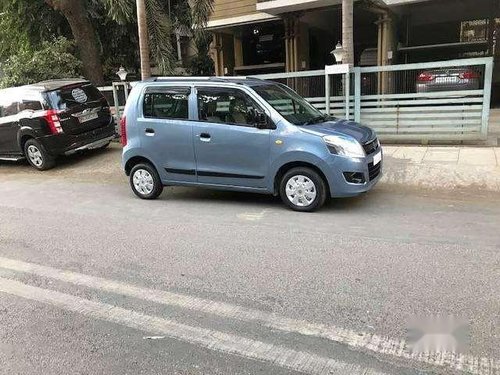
<point x="252" y="216"/>
<point x="355" y="339"/>
<point x="215" y="340"/>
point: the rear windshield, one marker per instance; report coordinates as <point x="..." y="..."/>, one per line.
<point x="74" y="96"/>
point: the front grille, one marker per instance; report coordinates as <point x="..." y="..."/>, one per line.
<point x="374" y="170"/>
<point x="371" y="146"/>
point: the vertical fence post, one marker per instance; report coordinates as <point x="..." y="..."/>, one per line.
<point x="488" y="80"/>
<point x="347" y="87"/>
<point x="115" y="99"/>
<point x="125" y="90"/>
<point x="357" y="94"/>
<point x="327" y="93"/>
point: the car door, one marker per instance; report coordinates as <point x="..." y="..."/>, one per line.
<point x="166" y="132"/>
<point x="229" y="148"/>
<point x="9" y="123"/>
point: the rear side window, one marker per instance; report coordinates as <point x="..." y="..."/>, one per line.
<point x="30" y="105"/>
<point x="166" y="103"/>
<point x="74" y="96"/>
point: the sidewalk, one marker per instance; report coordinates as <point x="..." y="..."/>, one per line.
<point x="435" y="167"/>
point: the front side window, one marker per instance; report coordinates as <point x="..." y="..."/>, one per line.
<point x="166" y="103"/>
<point x="226" y="106"/>
<point x="290" y="105"/>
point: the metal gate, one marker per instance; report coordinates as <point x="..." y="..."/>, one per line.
<point x="437" y="101"/>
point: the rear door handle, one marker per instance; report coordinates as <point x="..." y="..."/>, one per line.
<point x="149" y="132"/>
<point x="205" y="137"/>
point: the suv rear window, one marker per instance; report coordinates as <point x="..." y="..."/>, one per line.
<point x="73" y="96"/>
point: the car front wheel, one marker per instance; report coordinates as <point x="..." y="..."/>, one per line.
<point x="145" y="181"/>
<point x="303" y="189"/>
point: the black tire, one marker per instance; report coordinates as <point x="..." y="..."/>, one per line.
<point x="37" y="156"/>
<point x="303" y="192"/>
<point x="148" y="171"/>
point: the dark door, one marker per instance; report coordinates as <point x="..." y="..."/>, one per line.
<point x="9" y="123"/>
<point x="82" y="107"/>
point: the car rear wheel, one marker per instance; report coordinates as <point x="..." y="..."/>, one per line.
<point x="303" y="189"/>
<point x="37" y="155"/>
<point x="145" y="181"/>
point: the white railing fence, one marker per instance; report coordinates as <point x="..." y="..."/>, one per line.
<point x="398" y="106"/>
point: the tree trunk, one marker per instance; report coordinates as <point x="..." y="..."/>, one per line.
<point x="348" y="31"/>
<point x="143" y="39"/>
<point x="75" y="13"/>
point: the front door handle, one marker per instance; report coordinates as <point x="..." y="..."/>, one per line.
<point x="149" y="132"/>
<point x="205" y="137"/>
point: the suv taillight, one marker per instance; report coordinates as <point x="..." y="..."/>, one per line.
<point x="469" y="74"/>
<point x="425" y="77"/>
<point x="53" y="120"/>
<point x="123" y="130"/>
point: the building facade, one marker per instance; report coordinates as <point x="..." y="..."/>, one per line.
<point x="268" y="36"/>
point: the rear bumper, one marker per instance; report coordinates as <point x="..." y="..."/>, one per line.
<point x="430" y="87"/>
<point x="65" y="144"/>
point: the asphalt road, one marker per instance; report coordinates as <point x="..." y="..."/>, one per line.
<point x="94" y="280"/>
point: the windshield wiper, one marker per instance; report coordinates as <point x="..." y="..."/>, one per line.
<point x="316" y="119"/>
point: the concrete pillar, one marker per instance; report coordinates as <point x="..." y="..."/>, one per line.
<point x="294" y="44"/>
<point x="217" y="54"/>
<point x="238" y="49"/>
<point x="384" y="48"/>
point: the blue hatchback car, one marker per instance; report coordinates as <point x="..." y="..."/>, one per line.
<point x="243" y="134"/>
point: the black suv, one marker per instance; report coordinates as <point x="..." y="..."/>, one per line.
<point x="51" y="118"/>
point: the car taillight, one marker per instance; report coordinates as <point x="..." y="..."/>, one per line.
<point x="470" y="74"/>
<point x="425" y="77"/>
<point x="123" y="130"/>
<point x="53" y="120"/>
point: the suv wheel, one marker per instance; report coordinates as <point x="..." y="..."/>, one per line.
<point x="145" y="181"/>
<point x="37" y="156"/>
<point x="302" y="189"/>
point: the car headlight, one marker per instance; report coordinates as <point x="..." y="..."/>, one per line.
<point x="346" y="146"/>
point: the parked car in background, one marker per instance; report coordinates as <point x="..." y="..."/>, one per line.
<point x="243" y="134"/>
<point x="58" y="117"/>
<point x="458" y="79"/>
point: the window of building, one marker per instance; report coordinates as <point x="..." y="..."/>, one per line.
<point x="263" y="43"/>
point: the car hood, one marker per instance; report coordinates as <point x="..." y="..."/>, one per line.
<point x="353" y="129"/>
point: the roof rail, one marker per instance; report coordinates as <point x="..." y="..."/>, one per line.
<point x="201" y="78"/>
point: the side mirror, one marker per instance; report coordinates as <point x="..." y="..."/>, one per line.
<point x="260" y="119"/>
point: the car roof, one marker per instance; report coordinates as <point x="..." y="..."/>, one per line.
<point x="245" y="81"/>
<point x="53" y="84"/>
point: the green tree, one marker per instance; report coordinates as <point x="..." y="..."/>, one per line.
<point x="105" y="31"/>
<point x="55" y="59"/>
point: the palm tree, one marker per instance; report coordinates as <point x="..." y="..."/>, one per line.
<point x="143" y="39"/>
<point x="347" y="31"/>
<point x="155" y="20"/>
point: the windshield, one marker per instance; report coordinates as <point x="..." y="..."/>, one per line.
<point x="290" y="105"/>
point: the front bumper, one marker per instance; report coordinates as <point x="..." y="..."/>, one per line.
<point x="65" y="144"/>
<point x="340" y="187"/>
